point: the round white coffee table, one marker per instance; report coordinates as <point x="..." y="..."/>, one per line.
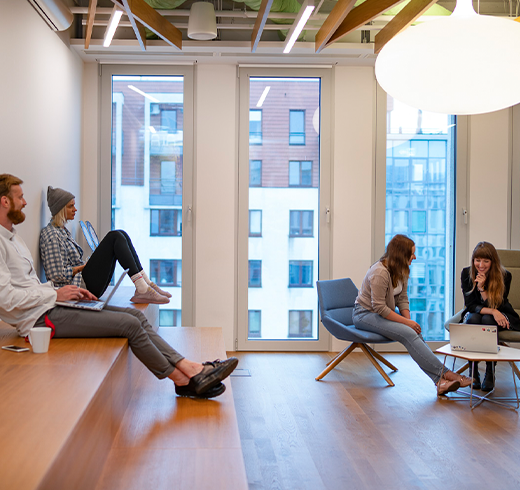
<point x="505" y="354"/>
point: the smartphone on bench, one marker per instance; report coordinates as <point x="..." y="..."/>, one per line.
<point x="15" y="348"/>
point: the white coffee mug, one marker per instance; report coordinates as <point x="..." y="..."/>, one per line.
<point x="39" y="337"/>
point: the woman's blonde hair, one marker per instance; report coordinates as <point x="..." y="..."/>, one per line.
<point x="397" y="257"/>
<point x="495" y="285"/>
<point x="60" y="218"/>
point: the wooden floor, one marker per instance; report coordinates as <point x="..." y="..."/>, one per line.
<point x="352" y="431"/>
<point x="167" y="442"/>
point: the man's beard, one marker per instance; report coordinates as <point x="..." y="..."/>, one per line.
<point x="16" y="217"/>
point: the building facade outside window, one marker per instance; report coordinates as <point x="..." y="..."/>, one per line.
<point x="300" y="273"/>
<point x="300" y="173"/>
<point x="300" y="323"/>
<point x="255" y="222"/>
<point x="255" y="273"/>
<point x="255" y="173"/>
<point x="170" y="318"/>
<point x="166" y="272"/>
<point x="165" y="222"/>
<point x="254" y="323"/>
<point x="420" y="183"/>
<point x="284" y="185"/>
<point x="297" y="127"/>
<point x="255" y="127"/>
<point x="301" y="223"/>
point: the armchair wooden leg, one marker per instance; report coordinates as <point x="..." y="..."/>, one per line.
<point x="376" y="364"/>
<point x="381" y="358"/>
<point x="332" y="364"/>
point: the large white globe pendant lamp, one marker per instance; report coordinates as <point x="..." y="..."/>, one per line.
<point x="462" y="64"/>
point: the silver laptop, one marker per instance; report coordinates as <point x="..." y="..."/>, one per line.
<point x="474" y="338"/>
<point x="87" y="304"/>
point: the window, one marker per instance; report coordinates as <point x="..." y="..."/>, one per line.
<point x="255" y="173"/>
<point x="255" y="274"/>
<point x="169" y="120"/>
<point x="300" y="273"/>
<point x="255" y="222"/>
<point x="170" y="318"/>
<point x="301" y="223"/>
<point x="168" y="177"/>
<point x="420" y="184"/>
<point x="297" y="127"/>
<point x="300" y="323"/>
<point x="255" y="126"/>
<point x="300" y="174"/>
<point x="254" y="323"/>
<point x="165" y="222"/>
<point x="166" y="272"/>
<point x="418" y="221"/>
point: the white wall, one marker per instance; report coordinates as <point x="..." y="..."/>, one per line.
<point x="40" y="104"/>
<point x="216" y="144"/>
<point x="489" y="179"/>
<point x="353" y="174"/>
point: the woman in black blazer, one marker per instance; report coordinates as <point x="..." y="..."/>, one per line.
<point x="485" y="286"/>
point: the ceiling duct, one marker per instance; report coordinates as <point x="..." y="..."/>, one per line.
<point x="57" y="15"/>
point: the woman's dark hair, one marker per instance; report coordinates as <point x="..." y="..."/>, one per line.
<point x="495" y="285"/>
<point x="397" y="257"/>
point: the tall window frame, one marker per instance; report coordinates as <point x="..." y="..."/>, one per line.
<point x="104" y="218"/>
<point x="322" y="229"/>
<point x="460" y="255"/>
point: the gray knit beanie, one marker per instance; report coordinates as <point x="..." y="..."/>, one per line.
<point x="57" y="199"/>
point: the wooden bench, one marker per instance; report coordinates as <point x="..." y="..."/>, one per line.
<point x="60" y="412"/>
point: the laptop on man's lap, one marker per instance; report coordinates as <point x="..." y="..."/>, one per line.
<point x="94" y="305"/>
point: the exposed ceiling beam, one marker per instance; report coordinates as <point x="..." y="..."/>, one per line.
<point x="261" y="18"/>
<point x="90" y="21"/>
<point x="401" y="21"/>
<point x="148" y="16"/>
<point x="332" y="22"/>
<point x="138" y="29"/>
<point x="360" y="15"/>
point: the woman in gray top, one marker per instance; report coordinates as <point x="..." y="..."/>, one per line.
<point x="384" y="289"/>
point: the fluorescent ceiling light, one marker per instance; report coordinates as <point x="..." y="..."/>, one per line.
<point x="263" y="96"/>
<point x="115" y="17"/>
<point x="299" y="23"/>
<point x="149" y="97"/>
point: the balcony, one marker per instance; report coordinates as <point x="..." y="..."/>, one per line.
<point x="165" y="192"/>
<point x="164" y="143"/>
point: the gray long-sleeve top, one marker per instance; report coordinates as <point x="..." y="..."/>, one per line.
<point x="377" y="292"/>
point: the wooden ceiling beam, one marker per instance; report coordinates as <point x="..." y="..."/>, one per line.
<point x="360" y="15"/>
<point x="139" y="10"/>
<point x="332" y="22"/>
<point x="401" y="21"/>
<point x="261" y="18"/>
<point x="92" y="4"/>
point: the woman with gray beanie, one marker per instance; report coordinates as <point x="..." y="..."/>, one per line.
<point x="63" y="262"/>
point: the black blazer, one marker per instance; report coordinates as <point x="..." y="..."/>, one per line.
<point x="473" y="301"/>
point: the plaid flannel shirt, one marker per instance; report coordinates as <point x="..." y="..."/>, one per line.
<point x="60" y="253"/>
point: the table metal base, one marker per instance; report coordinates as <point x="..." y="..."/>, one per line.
<point x="464" y="395"/>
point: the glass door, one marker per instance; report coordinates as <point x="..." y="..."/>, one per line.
<point x="146" y="163"/>
<point x="283" y="190"/>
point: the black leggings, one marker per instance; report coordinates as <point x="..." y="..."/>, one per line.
<point x="115" y="247"/>
<point x="478" y="319"/>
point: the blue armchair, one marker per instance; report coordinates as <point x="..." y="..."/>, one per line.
<point x="336" y="298"/>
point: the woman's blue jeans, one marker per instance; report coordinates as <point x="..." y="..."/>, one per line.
<point x="414" y="343"/>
